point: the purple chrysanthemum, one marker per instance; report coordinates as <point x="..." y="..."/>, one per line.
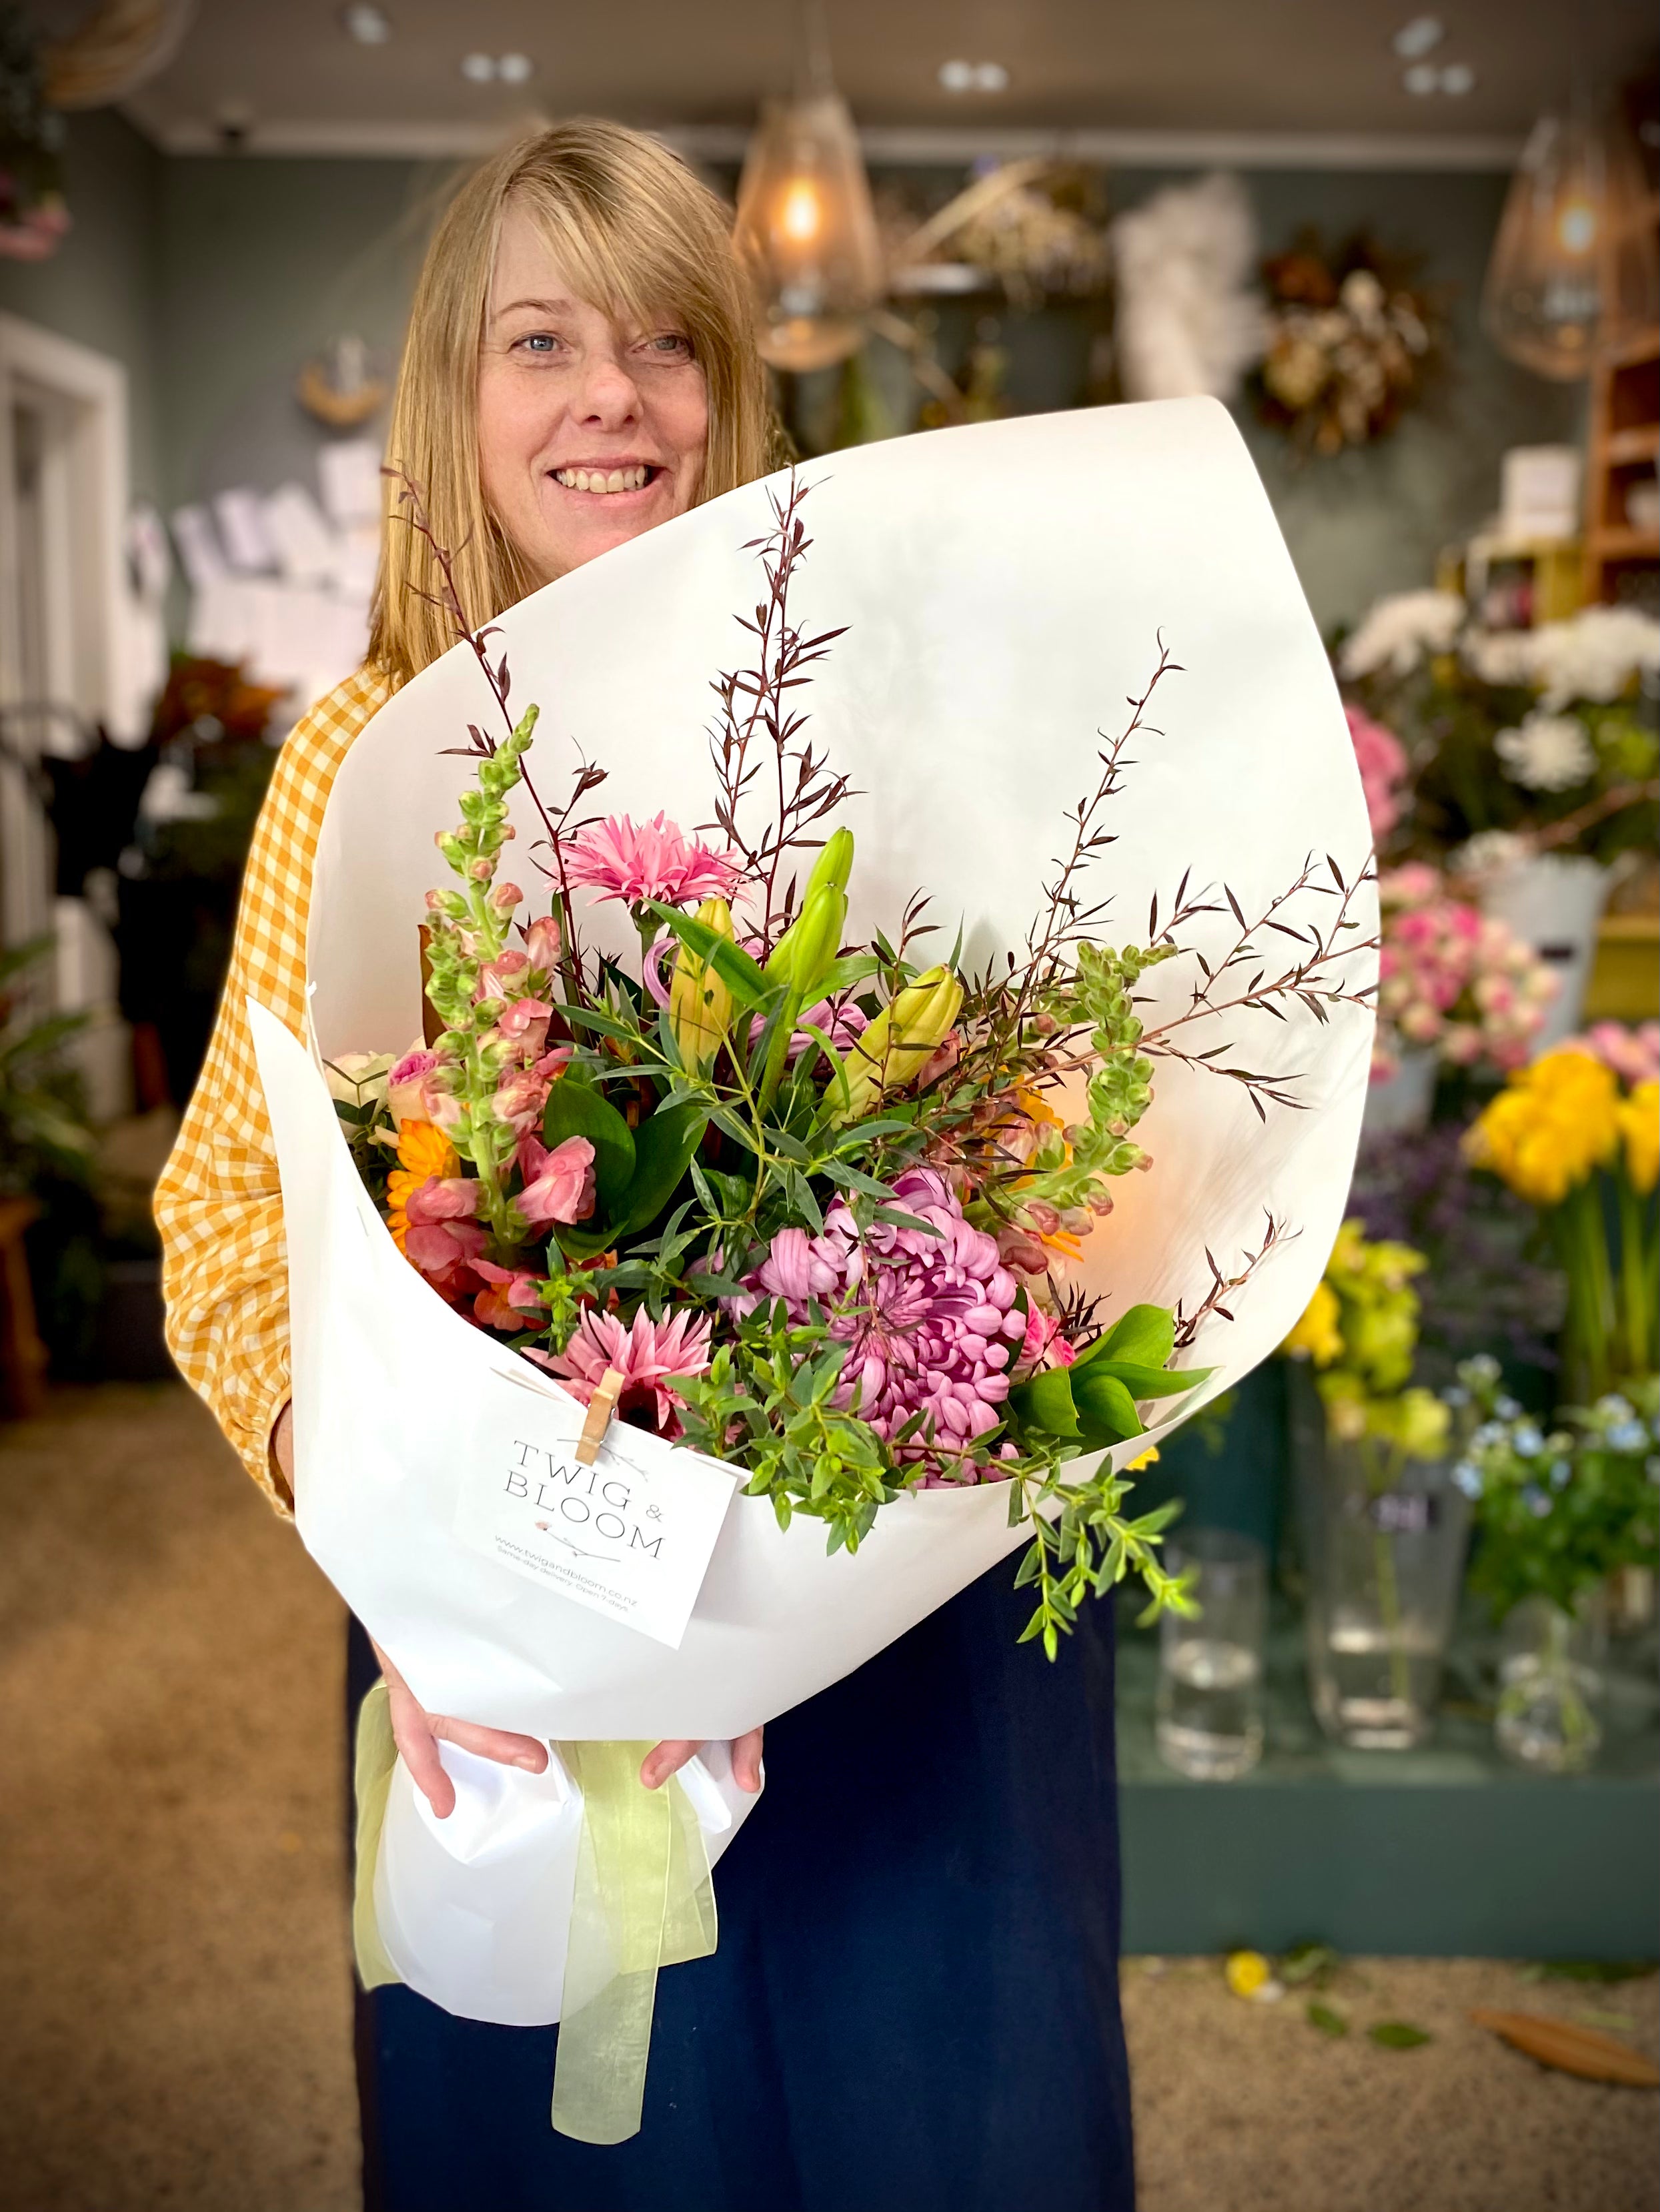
<point x="929" y="1320"/>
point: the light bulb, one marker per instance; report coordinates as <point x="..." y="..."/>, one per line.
<point x="808" y="233"/>
<point x="1574" y="269"/>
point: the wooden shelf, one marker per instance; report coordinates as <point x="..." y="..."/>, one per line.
<point x="1641" y="444"/>
<point x="1624" y="544"/>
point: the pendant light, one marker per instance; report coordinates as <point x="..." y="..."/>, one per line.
<point x="805" y="224"/>
<point x="1573" y="272"/>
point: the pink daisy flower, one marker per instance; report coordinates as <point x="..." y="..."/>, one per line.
<point x="621" y="859"/>
<point x="648" y="1356"/>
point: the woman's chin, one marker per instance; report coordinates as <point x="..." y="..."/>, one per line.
<point x="587" y="525"/>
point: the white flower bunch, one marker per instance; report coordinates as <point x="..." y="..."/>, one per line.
<point x="1594" y="655"/>
<point x="1549" y="752"/>
<point x="1398" y="631"/>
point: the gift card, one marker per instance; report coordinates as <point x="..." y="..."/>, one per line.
<point x="629" y="1537"/>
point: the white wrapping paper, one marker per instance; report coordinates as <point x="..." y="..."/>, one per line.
<point x="1005" y="589"/>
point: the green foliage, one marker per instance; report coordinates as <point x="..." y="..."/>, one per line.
<point x="1091" y="1403"/>
<point x="1559" y="1510"/>
<point x="1398" y="2035"/>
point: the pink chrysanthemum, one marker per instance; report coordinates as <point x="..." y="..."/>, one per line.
<point x="621" y="859"/>
<point x="648" y="1356"/>
<point x="928" y="1319"/>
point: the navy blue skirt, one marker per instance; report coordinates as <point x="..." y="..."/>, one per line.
<point x="914" y="2004"/>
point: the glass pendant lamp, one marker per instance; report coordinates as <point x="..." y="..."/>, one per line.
<point x="1573" y="272"/>
<point x="805" y="224"/>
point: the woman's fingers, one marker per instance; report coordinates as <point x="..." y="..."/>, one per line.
<point x="667" y="1758"/>
<point x="412" y="1732"/>
<point x="499" y="1744"/>
<point x="746" y="1760"/>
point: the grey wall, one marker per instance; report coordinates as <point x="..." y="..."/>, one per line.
<point x="102" y="287"/>
<point x="215" y="278"/>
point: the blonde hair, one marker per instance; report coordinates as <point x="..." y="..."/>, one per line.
<point x="637" y="234"/>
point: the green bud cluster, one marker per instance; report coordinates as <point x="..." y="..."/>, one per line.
<point x="1101" y="993"/>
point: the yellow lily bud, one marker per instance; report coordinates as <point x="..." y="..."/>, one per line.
<point x="700" y="1004"/>
<point x="893" y="1049"/>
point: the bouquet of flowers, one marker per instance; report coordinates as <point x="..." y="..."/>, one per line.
<point x="1545" y="736"/>
<point x="894" y="1231"/>
<point x="1452" y="979"/>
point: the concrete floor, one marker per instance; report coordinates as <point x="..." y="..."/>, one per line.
<point x="174" y="1993"/>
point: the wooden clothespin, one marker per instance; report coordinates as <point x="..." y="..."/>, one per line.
<point x="601" y="1408"/>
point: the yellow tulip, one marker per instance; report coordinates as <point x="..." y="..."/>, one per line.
<point x="700" y="1004"/>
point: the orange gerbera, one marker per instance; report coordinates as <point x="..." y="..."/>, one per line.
<point x="423" y="1150"/>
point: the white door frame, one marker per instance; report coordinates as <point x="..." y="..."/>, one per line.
<point x="83" y="395"/>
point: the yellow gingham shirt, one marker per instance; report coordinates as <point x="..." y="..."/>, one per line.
<point x="219" y="1204"/>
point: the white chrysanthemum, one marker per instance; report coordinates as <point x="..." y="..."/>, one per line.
<point x="1398" y="631"/>
<point x="1549" y="752"/>
<point x="1595" y="655"/>
<point x="1501" y="656"/>
<point x="1490" y="854"/>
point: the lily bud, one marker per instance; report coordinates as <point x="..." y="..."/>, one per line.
<point x="833" y="866"/>
<point x="700" y="1003"/>
<point x="900" y="1039"/>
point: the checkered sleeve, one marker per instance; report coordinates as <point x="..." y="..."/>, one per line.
<point x="219" y="1205"/>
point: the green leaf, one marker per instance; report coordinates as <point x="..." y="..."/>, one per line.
<point x="747" y="982"/>
<point x="1152" y="1382"/>
<point x="574" y="1108"/>
<point x="1145" y="1336"/>
<point x="1044" y="1402"/>
<point x="1398" y="2034"/>
<point x="1105" y="1404"/>
<point x="663" y="1147"/>
<point x="1328" y="2023"/>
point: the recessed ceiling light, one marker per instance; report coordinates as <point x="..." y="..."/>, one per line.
<point x="1457" y="78"/>
<point x="1419" y="37"/>
<point x="515" y="69"/>
<point x="368" y="25"/>
<point x="973" y="76"/>
<point x="1422" y="77"/>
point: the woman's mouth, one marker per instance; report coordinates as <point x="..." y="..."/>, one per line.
<point x="606" y="484"/>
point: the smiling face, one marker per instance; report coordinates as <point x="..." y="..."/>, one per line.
<point x="589" y="430"/>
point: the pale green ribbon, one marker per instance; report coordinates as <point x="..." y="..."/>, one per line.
<point x="642" y="1900"/>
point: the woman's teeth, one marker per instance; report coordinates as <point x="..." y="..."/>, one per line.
<point x="602" y="480"/>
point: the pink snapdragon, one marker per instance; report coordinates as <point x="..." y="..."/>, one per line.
<point x="510" y="1299"/>
<point x="651" y="1355"/>
<point x="410" y="1089"/>
<point x="443" y="1237"/>
<point x="635" y="862"/>
<point x="558" y="1185"/>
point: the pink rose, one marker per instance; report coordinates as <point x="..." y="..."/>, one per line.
<point x="408" y="1093"/>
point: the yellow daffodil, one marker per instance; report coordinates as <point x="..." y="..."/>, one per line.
<point x="1134" y="1466"/>
<point x="1640" y="1128"/>
<point x="1551" y="1127"/>
<point x="1317" y="1336"/>
<point x="1247" y="1972"/>
<point x="423" y="1150"/>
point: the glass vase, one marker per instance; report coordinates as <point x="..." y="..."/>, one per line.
<point x="1383" y="1542"/>
<point x="1550" y="1684"/>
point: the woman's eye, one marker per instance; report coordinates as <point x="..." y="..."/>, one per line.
<point x="670" y="346"/>
<point x="540" y="343"/>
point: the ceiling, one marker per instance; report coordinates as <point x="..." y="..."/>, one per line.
<point x="287" y="73"/>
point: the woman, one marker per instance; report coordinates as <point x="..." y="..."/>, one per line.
<point x="914" y="2002"/>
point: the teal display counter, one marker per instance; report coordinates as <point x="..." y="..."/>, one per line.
<point x="1444" y="1851"/>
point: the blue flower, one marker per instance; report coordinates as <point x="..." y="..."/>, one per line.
<point x="1536" y="1500"/>
<point x="1490" y="1433"/>
<point x="1626" y="1436"/>
<point x="1482" y="1368"/>
<point x="1467" y="1478"/>
<point x="1614" y="1407"/>
<point x="1526" y="1441"/>
<point x="1561" y="1469"/>
<point x="1507" y="1408"/>
<point x="1455" y="1394"/>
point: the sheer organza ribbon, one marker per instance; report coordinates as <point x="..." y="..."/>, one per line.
<point x="642" y="1900"/>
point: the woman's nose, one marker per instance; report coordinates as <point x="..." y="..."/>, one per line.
<point x="608" y="396"/>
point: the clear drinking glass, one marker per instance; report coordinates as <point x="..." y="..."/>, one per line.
<point x="1210" y="1668"/>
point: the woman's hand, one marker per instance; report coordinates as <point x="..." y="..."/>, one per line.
<point x="668" y="1758"/>
<point x="418" y="1734"/>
